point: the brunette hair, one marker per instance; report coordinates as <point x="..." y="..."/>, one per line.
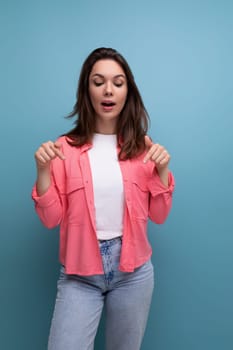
<point x="132" y="124"/>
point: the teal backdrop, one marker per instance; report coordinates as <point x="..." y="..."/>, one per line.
<point x="181" y="54"/>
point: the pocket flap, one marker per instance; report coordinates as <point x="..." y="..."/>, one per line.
<point x="141" y="182"/>
<point x="72" y="184"/>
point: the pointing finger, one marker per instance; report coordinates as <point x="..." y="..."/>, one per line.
<point x="151" y="152"/>
<point x="56" y="149"/>
<point x="148" y="141"/>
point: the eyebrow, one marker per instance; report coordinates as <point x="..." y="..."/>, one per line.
<point x="115" y="76"/>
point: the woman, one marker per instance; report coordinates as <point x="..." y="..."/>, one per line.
<point x="101" y="182"/>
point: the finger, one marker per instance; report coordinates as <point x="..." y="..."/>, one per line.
<point x="156" y="154"/>
<point x="150" y="153"/>
<point x="159" y="159"/>
<point x="148" y="141"/>
<point x="159" y="154"/>
<point x="46" y="150"/>
<point x="43" y="154"/>
<point x="57" y="144"/>
<point x="53" y="149"/>
<point x="40" y="158"/>
<point x="50" y="152"/>
<point x="165" y="161"/>
<point x="57" y="151"/>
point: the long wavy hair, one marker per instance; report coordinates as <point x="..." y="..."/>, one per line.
<point x="133" y="121"/>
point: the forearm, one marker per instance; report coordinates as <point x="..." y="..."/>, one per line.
<point x="48" y="203"/>
<point x="43" y="157"/>
<point x="161" y="196"/>
<point x="43" y="180"/>
<point x="160" y="207"/>
<point x="50" y="215"/>
<point x="163" y="174"/>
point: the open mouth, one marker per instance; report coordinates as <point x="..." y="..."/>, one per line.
<point x="107" y="104"/>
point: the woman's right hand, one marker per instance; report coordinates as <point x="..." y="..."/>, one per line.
<point x="43" y="156"/>
<point x="46" y="152"/>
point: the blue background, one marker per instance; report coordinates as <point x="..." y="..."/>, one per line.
<point x="181" y="55"/>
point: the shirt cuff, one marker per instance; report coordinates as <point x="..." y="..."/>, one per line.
<point x="157" y="187"/>
<point x="46" y="199"/>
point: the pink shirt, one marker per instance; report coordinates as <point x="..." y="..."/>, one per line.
<point x="69" y="202"/>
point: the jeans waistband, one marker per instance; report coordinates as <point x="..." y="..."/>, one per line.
<point x="110" y="241"/>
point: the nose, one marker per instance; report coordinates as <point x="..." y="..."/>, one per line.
<point x="108" y="89"/>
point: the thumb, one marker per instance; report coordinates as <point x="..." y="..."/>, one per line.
<point x="57" y="145"/>
<point x="148" y="141"/>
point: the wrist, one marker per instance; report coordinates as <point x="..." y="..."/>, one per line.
<point x="43" y="169"/>
<point x="163" y="174"/>
<point x="162" y="170"/>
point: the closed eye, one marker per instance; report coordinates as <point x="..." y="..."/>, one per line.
<point x="118" y="84"/>
<point x="97" y="84"/>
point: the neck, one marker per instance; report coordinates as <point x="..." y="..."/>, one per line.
<point x="105" y="128"/>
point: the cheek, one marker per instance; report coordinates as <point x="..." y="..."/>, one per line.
<point x="93" y="97"/>
<point x="123" y="97"/>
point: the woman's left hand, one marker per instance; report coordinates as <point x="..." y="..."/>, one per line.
<point x="156" y="153"/>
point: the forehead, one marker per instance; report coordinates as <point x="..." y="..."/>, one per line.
<point x="107" y="67"/>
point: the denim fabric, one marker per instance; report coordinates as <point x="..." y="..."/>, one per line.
<point x="126" y="297"/>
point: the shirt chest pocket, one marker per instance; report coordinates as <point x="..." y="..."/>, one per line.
<point x="74" y="193"/>
<point x="140" y="198"/>
<point x="74" y="184"/>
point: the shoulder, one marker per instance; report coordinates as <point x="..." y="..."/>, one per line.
<point x="66" y="146"/>
<point x="64" y="141"/>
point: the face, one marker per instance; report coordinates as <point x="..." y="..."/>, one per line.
<point x="108" y="92"/>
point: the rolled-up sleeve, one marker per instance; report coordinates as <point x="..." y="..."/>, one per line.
<point x="160" y="197"/>
<point x="48" y="206"/>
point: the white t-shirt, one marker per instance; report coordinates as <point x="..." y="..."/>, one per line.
<point x="107" y="186"/>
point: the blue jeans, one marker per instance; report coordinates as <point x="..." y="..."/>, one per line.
<point x="80" y="301"/>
